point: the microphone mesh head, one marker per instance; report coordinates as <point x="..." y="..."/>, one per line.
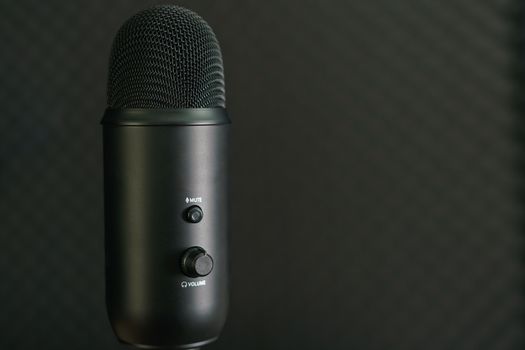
<point x="165" y="57"/>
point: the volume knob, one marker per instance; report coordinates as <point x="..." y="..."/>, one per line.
<point x="196" y="262"/>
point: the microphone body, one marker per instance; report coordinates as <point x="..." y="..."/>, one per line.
<point x="165" y="138"/>
<point x="157" y="165"/>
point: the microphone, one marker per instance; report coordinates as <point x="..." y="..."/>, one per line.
<point x="165" y="141"/>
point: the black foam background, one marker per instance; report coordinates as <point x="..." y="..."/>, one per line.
<point x="377" y="172"/>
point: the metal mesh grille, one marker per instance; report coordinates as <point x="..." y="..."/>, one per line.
<point x="166" y="57"/>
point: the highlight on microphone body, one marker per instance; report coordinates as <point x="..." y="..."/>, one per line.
<point x="166" y="145"/>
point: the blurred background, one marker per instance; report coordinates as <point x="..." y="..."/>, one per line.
<point x="377" y="172"/>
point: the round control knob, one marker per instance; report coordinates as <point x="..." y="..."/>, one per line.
<point x="196" y="262"/>
<point x="194" y="214"/>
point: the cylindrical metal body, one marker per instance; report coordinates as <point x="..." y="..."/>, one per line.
<point x="156" y="165"/>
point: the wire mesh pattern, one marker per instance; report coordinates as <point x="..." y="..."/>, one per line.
<point x="165" y="57"/>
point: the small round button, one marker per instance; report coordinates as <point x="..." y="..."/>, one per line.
<point x="196" y="262"/>
<point x="194" y="214"/>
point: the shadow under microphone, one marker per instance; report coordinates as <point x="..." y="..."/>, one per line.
<point x="165" y="139"/>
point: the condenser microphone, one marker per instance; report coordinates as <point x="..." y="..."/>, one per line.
<point x="166" y="182"/>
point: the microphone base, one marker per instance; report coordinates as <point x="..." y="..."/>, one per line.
<point x="194" y="346"/>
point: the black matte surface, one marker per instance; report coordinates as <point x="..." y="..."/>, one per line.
<point x="377" y="173"/>
<point x="150" y="172"/>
